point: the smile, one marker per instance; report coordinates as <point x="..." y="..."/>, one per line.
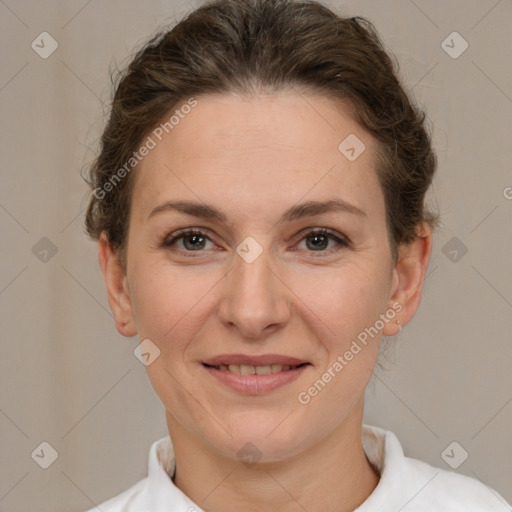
<point x="255" y="380"/>
<point x="245" y="369"/>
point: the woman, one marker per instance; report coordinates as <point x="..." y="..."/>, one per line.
<point x="259" y="206"/>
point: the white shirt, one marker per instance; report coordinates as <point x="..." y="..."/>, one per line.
<point x="405" y="484"/>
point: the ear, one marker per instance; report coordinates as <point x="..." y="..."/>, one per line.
<point x="408" y="279"/>
<point x="117" y="288"/>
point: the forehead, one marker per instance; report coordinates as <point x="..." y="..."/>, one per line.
<point x="266" y="150"/>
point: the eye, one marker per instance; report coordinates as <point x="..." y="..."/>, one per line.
<point x="318" y="241"/>
<point x="193" y="240"/>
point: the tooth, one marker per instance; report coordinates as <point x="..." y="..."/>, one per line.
<point x="245" y="369"/>
<point x="263" y="370"/>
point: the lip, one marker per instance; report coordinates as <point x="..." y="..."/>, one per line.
<point x="255" y="384"/>
<point x="261" y="360"/>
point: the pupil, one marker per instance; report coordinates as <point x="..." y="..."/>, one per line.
<point x="322" y="245"/>
<point x="196" y="238"/>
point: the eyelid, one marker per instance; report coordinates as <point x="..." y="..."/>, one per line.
<point x="323" y="231"/>
<point x="172" y="238"/>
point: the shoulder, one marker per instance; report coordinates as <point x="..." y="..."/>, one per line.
<point x="439" y="489"/>
<point x="416" y="486"/>
<point x="121" y="502"/>
<point x="154" y="492"/>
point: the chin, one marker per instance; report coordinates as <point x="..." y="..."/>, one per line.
<point x="262" y="436"/>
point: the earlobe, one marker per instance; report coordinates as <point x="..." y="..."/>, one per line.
<point x="408" y="279"/>
<point x="117" y="288"/>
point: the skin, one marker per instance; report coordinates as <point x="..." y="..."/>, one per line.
<point x="253" y="159"/>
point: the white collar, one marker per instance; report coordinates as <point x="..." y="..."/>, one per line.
<point x="402" y="480"/>
<point x="381" y="447"/>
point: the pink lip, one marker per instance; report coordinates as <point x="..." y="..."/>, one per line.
<point x="262" y="360"/>
<point x="255" y="384"/>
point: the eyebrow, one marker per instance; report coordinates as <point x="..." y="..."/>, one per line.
<point x="307" y="209"/>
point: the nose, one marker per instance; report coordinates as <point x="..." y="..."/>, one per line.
<point x="256" y="300"/>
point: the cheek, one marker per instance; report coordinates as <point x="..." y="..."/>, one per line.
<point x="168" y="301"/>
<point x="347" y="299"/>
<point x="349" y="302"/>
<point x="168" y="305"/>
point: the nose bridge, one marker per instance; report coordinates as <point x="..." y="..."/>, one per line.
<point x="254" y="297"/>
<point x="252" y="271"/>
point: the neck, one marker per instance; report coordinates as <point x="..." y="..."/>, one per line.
<point x="332" y="475"/>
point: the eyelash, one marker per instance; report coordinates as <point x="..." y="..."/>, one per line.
<point x="168" y="243"/>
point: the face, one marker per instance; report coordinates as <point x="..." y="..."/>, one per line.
<point x="273" y="273"/>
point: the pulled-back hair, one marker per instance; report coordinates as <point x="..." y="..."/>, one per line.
<point x="266" y="46"/>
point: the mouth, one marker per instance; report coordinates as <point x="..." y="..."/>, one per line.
<point x="255" y="374"/>
<point x="245" y="369"/>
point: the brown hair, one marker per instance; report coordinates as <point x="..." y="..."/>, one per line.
<point x="248" y="46"/>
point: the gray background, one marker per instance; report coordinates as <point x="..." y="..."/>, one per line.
<point x="67" y="376"/>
